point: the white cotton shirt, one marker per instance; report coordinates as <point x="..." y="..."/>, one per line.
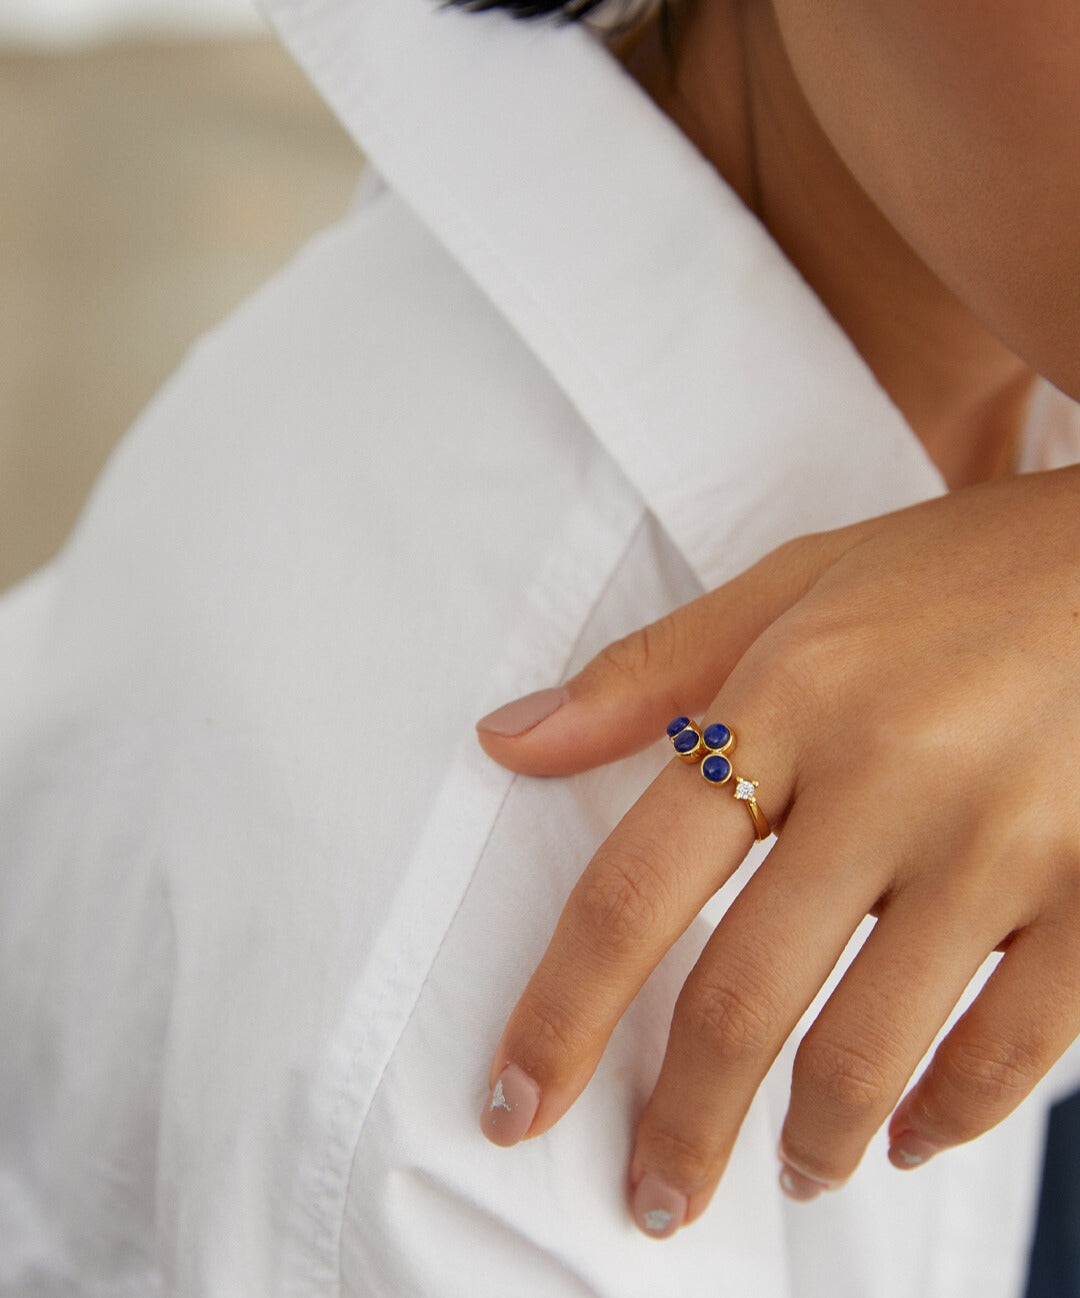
<point x="266" y="905"/>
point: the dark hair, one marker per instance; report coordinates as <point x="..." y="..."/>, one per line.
<point x="564" y="10"/>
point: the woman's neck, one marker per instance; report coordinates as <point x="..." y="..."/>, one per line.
<point x="731" y="90"/>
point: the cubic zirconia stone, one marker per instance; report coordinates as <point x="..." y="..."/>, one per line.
<point x="745" y="790"/>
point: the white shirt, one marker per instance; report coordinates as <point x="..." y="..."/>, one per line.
<point x="265" y="904"/>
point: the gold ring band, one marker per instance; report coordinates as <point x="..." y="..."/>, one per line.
<point x="712" y="747"/>
<point x="744" y="793"/>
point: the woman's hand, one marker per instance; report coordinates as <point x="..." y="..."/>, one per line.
<point x="907" y="693"/>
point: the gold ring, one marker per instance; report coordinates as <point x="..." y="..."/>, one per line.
<point x="712" y="747"/>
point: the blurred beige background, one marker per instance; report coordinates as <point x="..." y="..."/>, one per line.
<point x="146" y="186"/>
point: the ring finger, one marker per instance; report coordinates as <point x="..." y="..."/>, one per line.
<point x="760" y="970"/>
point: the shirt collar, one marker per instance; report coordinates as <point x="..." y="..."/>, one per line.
<point x="694" y="350"/>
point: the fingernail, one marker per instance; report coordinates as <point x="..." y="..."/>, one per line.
<point x="909" y="1150"/>
<point x="510" y="1107"/>
<point x="658" y="1209"/>
<point x="513" y="719"/>
<point x="798" y="1187"/>
<point x="801" y="1173"/>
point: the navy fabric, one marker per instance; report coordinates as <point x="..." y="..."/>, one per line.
<point x="1055" y="1252"/>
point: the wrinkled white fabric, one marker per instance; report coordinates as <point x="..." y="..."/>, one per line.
<point x="264" y="904"/>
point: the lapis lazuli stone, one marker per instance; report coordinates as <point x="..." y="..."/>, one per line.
<point x="716" y="769"/>
<point x="716" y="735"/>
<point x="680" y="723"/>
<point x="685" y="741"/>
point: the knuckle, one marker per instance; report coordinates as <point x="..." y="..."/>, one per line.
<point x="803" y="668"/>
<point x="620" y="658"/>
<point x="732" y="1016"/>
<point x="675" y="1155"/>
<point x="791" y="568"/>
<point x="547" y="1037"/>
<point x="623" y="900"/>
<point x="985" y="1072"/>
<point x="659" y="642"/>
<point x="1062" y="855"/>
<point x="651" y="646"/>
<point x="849" y="1081"/>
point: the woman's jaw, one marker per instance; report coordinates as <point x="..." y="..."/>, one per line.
<point x="849" y="189"/>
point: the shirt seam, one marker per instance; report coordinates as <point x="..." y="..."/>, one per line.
<point x="568" y="658"/>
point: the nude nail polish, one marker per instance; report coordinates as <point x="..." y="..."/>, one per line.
<point x="800" y="1179"/>
<point x="909" y="1150"/>
<point x="798" y="1187"/>
<point x="658" y="1209"/>
<point x="510" y="1107"/>
<point x="515" y="718"/>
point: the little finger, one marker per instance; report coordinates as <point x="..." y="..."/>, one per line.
<point x="852" y="1065"/>
<point x="1014" y="1031"/>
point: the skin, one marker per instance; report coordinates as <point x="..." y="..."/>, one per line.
<point x="855" y="666"/>
<point x="842" y="126"/>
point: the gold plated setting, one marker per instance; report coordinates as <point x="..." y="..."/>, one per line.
<point x="712" y="748"/>
<point x="744" y="793"/>
<point x="681" y="742"/>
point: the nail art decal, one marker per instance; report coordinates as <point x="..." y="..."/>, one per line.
<point x="658" y="1219"/>
<point x="910" y="1150"/>
<point x="511" y="1106"/>
<point x="498" y="1099"/>
<point x="658" y="1209"/>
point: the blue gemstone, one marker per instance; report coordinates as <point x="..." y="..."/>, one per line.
<point x="716" y="769"/>
<point x="716" y="736"/>
<point x="685" y="741"/>
<point x="680" y="723"/>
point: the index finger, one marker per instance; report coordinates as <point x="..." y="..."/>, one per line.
<point x="675" y="847"/>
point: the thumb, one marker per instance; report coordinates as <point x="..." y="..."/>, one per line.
<point x="622" y="699"/>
